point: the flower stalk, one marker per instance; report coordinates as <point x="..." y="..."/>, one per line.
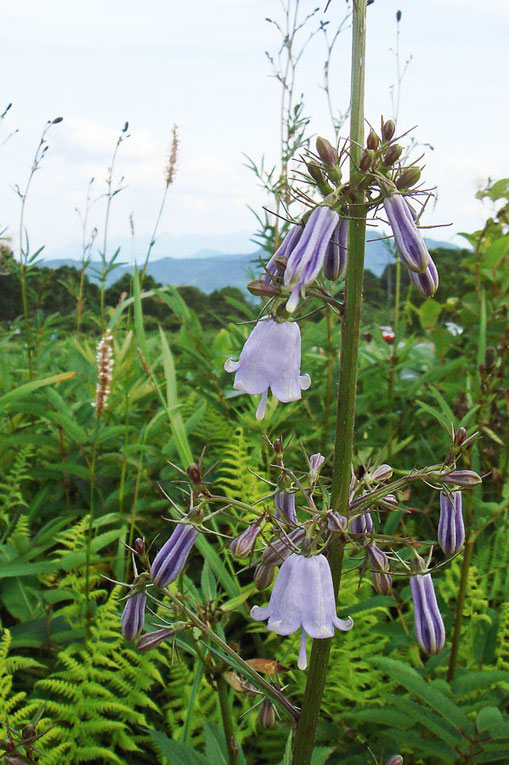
<point x="306" y="727"/>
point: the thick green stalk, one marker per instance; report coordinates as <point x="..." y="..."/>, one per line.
<point x="226" y="715"/>
<point x="306" y="727"/>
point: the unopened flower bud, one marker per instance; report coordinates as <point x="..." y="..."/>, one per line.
<point x="266" y="714"/>
<point x="336" y="522"/>
<point x="451" y="529"/>
<point x="428" y="281"/>
<point x="392" y="154"/>
<point x="391" y="500"/>
<point x="367" y="159"/>
<point x="326" y="151"/>
<point x="139" y="545"/>
<point x="152" y="640"/>
<point x="460" y="436"/>
<point x="335" y="257"/>
<point x="172" y="557"/>
<point x="278" y="445"/>
<point x="194" y="473"/>
<point x="382" y="583"/>
<point x="280" y="549"/>
<point x="28" y="731"/>
<point x="408" y="177"/>
<point x="428" y="622"/>
<point x="361" y="524"/>
<point x="315" y="463"/>
<point x="380" y="567"/>
<point x="373" y="140"/>
<point x="396" y="759"/>
<point x="262" y="288"/>
<point x="133" y="615"/>
<point x="463" y="478"/>
<point x="319" y="178"/>
<point x="243" y="545"/>
<point x="263" y="576"/>
<point x="382" y="473"/>
<point x="388" y="130"/>
<point x="285" y="507"/>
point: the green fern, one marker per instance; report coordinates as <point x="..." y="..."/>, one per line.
<point x="11" y="495"/>
<point x="13" y="705"/>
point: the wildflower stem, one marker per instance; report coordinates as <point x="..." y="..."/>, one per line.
<point x="306" y="727"/>
<point x="226" y="716"/>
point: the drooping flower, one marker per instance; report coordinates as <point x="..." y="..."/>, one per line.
<point x="133" y="615"/>
<point x="285" y="507"/>
<point x="152" y="640"/>
<point x="335" y="256"/>
<point x="172" y="557"/>
<point x="451" y="529"/>
<point x="270" y="359"/>
<point x="307" y="257"/>
<point x="428" y="281"/>
<point x="428" y="622"/>
<point x="303" y="597"/>
<point x="283" y="251"/>
<point x="464" y="478"/>
<point x="380" y="567"/>
<point x="409" y="240"/>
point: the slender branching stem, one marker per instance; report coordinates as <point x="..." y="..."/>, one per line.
<point x="306" y="727"/>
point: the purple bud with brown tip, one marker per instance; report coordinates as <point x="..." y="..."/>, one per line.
<point x="194" y="473"/>
<point x="460" y="436"/>
<point x="463" y="478"/>
<point x="396" y="759"/>
<point x="336" y="522"/>
<point x="361" y="524"/>
<point x="326" y="151"/>
<point x="139" y="545"/>
<point x="373" y="140"/>
<point x="133" y="615"/>
<point x="243" y="545"/>
<point x="392" y="154"/>
<point x="408" y="178"/>
<point x="264" y="576"/>
<point x="152" y="640"/>
<point x="388" y="130"/>
<point x="451" y="529"/>
<point x="382" y="473"/>
<point x="263" y="288"/>
<point x="266" y="715"/>
<point x="335" y="257"/>
<point x="380" y="567"/>
<point x="367" y="159"/>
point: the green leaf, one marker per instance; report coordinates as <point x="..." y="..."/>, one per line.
<point x="230" y="584"/>
<point x="174" y="414"/>
<point x="214" y="745"/>
<point x="478" y="680"/>
<point x="198" y="675"/>
<point x="208" y="583"/>
<point x="321" y="754"/>
<point x="488" y="717"/>
<point x="177" y="753"/>
<point x="429" y="313"/>
<point x="24" y="390"/>
<point x="287" y="758"/>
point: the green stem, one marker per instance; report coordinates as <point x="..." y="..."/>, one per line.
<point x="329" y="385"/>
<point x="226" y="715"/>
<point x="91" y="518"/>
<point x="462" y="592"/>
<point x="341" y="472"/>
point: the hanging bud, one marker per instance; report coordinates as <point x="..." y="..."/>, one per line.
<point x="361" y="524"/>
<point x="380" y="567"/>
<point x="335" y="257"/>
<point x="264" y="576"/>
<point x="396" y="759"/>
<point x="408" y="177"/>
<point x="382" y="473"/>
<point x="428" y="281"/>
<point x="266" y="715"/>
<point x="460" y="436"/>
<point x="243" y="545"/>
<point x="409" y="241"/>
<point x="262" y="288"/>
<point x="152" y="640"/>
<point x="373" y="140"/>
<point x="28" y="731"/>
<point x="428" y="622"/>
<point x="172" y="557"/>
<point x="285" y="507"/>
<point x="280" y="549"/>
<point x="391" y="500"/>
<point x="462" y="478"/>
<point x="315" y="463"/>
<point x="451" y="529"/>
<point x="336" y="522"/>
<point x="133" y="615"/>
<point x="392" y="154"/>
<point x="367" y="159"/>
<point x="326" y="152"/>
<point x="388" y="130"/>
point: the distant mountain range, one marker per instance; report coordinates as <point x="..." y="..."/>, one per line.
<point x="211" y="269"/>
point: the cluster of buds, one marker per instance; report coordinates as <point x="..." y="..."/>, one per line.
<point x="20" y="747"/>
<point x="104" y="359"/>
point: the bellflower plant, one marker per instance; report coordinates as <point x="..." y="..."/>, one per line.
<point x="270" y="359"/>
<point x="307" y="257"/>
<point x="303" y="598"/>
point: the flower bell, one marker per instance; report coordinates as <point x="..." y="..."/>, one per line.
<point x="243" y="545"/>
<point x="428" y="622"/>
<point x="307" y="257"/>
<point x="285" y="507"/>
<point x="270" y="359"/>
<point x="283" y="251"/>
<point x="133" y="615"/>
<point x="303" y="598"/>
<point x="361" y="524"/>
<point x="409" y="240"/>
<point x="335" y="256"/>
<point x="428" y="281"/>
<point x="451" y="529"/>
<point x="172" y="557"/>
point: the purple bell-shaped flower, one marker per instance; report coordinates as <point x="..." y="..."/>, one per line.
<point x="270" y="359"/>
<point x="285" y="507"/>
<point x="428" y="281"/>
<point x="307" y="257"/>
<point x="303" y="598"/>
<point x="428" y="622"/>
<point x="451" y="529"/>
<point x="361" y="524"/>
<point x="409" y="240"/>
<point x="335" y="256"/>
<point x="133" y="615"/>
<point x="172" y="557"/>
<point x="283" y="251"/>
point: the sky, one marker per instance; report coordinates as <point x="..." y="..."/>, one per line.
<point x="202" y="65"/>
